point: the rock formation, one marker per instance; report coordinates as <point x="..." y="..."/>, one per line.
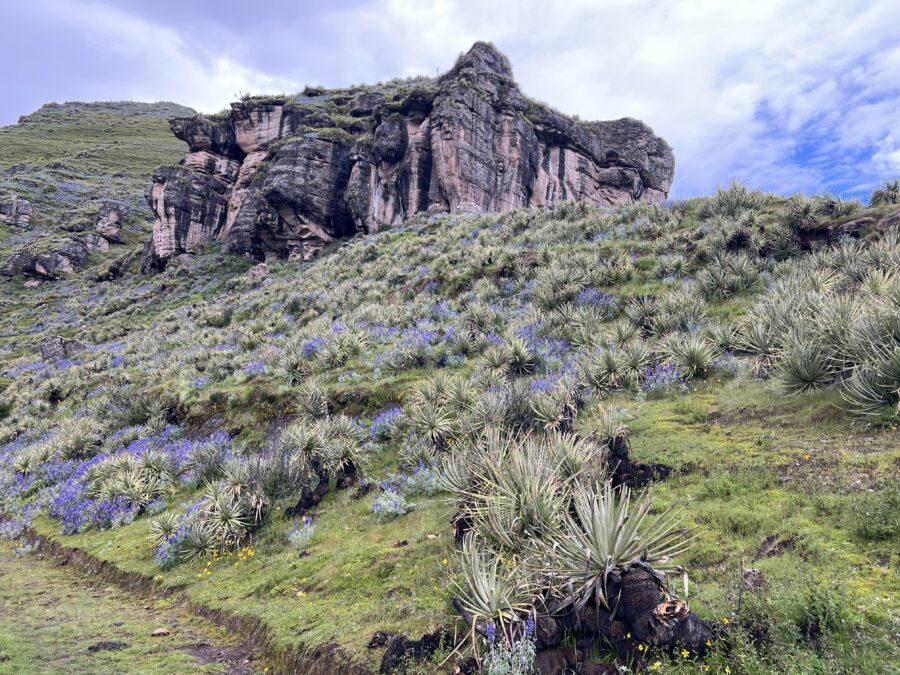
<point x="49" y="265"/>
<point x="15" y="211"/>
<point x="55" y="347"/>
<point x="282" y="177"/>
<point x="110" y="218"/>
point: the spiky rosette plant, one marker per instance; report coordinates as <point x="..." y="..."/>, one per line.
<point x="491" y="588"/>
<point x="691" y="353"/>
<point x="520" y="493"/>
<point x="802" y="368"/>
<point x="610" y="533"/>
<point x="312" y="399"/>
<point x="887" y="193"/>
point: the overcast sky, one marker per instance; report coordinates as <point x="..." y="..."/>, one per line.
<point x="785" y="95"/>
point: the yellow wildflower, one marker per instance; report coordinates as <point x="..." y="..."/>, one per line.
<point x="656" y="665"/>
<point x="685" y="653"/>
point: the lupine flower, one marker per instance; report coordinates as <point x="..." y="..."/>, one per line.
<point x="529" y="627"/>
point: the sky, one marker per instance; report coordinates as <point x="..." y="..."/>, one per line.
<point x="784" y="95"/>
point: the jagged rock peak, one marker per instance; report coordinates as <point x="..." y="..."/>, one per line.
<point x="280" y="177"/>
<point x="483" y="59"/>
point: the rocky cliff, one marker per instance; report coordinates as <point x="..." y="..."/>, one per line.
<point x="282" y="177"/>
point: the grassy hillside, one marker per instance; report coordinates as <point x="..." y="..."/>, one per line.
<point x="67" y="159"/>
<point x="394" y="370"/>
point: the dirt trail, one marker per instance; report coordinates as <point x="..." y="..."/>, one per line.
<point x="53" y="620"/>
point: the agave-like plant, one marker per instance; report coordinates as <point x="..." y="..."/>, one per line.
<point x="432" y="422"/>
<point x="516" y="484"/>
<point x="692" y="354"/>
<point x="295" y="365"/>
<point x="549" y="411"/>
<point x="489" y="588"/>
<point x="576" y="457"/>
<point x="801" y="213"/>
<point x="455" y="474"/>
<point x="802" y="368"/>
<point x="610" y="533"/>
<point x="201" y="542"/>
<point x="226" y="515"/>
<point x="867" y="397"/>
<point x="886" y="193"/>
<point x="312" y="400"/>
<point x="163" y="527"/>
<point x="519" y="357"/>
<point x="602" y="370"/>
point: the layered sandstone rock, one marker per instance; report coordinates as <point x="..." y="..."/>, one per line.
<point x="282" y="177"/>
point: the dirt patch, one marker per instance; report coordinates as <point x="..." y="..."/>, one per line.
<point x="107" y="646"/>
<point x="238" y="660"/>
<point x="774" y="545"/>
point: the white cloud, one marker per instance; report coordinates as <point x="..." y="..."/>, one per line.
<point x="784" y="94"/>
<point x="166" y="64"/>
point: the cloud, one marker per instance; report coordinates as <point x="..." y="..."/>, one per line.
<point x="784" y="94"/>
<point x="146" y="60"/>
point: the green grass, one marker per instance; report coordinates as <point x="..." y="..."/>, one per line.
<point x="354" y="581"/>
<point x="51" y="617"/>
<point x="751" y="467"/>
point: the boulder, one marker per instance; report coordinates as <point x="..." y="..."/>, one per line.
<point x="556" y="661"/>
<point x="94" y="242"/>
<point x="55" y="348"/>
<point x="257" y="273"/>
<point x="15" y="211"/>
<point x="110" y="218"/>
<point x="48" y="265"/>
<point x="275" y="179"/>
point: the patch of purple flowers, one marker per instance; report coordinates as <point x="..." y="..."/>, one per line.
<point x="312" y="347"/>
<point x="596" y="298"/>
<point x="255" y="368"/>
<point x="383" y="425"/>
<point x="663" y="379"/>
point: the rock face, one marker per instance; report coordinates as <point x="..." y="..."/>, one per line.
<point x="280" y="178"/>
<point x="49" y="265"/>
<point x="15" y="211"/>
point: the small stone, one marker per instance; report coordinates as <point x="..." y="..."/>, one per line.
<point x="160" y="632"/>
<point x="752" y="579"/>
<point x="430" y="536"/>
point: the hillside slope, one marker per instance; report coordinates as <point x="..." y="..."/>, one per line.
<point x="292" y="444"/>
<point x="66" y="160"/>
